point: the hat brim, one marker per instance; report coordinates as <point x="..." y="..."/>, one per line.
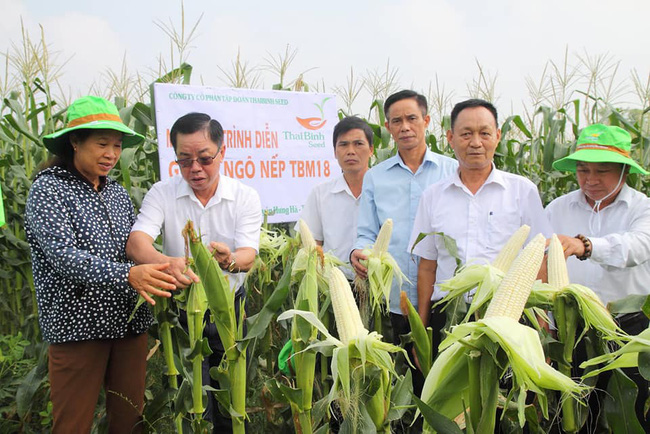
<point x="568" y="163"/>
<point x="57" y="141"/>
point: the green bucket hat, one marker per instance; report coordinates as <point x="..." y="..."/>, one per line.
<point x="600" y="143"/>
<point x="94" y="113"/>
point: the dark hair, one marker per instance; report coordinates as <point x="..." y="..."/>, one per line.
<point x="65" y="157"/>
<point x="404" y="94"/>
<point x="352" y="123"/>
<point x="471" y="103"/>
<point x="193" y="122"/>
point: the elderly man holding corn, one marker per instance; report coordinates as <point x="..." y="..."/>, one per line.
<point x="479" y="206"/>
<point x="227" y="212"/>
<point x="606" y="227"/>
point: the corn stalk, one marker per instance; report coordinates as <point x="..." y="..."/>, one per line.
<point x="221" y="302"/>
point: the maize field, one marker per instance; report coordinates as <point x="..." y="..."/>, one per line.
<point x="493" y="373"/>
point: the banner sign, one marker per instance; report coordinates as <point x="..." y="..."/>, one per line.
<point x="278" y="142"/>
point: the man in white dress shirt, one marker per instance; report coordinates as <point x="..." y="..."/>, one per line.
<point x="332" y="207"/>
<point x="479" y="206"/>
<point x="227" y="213"/>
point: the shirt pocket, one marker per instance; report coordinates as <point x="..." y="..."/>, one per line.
<point x="500" y="226"/>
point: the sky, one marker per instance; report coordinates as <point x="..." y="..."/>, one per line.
<point x="421" y="40"/>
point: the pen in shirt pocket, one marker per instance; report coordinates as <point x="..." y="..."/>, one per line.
<point x="490" y="214"/>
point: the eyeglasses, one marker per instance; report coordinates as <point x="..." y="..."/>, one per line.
<point x="203" y="161"/>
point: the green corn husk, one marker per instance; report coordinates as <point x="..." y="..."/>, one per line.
<point x="422" y="337"/>
<point x="197" y="304"/>
<point x="221" y="302"/>
<point x="624" y="357"/>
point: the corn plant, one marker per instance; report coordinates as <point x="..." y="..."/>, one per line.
<point x="221" y="302"/>
<point x="464" y="378"/>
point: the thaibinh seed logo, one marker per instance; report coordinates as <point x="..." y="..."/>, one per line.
<point x="315" y="123"/>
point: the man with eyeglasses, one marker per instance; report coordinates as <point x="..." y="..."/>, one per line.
<point x="227" y="213"/>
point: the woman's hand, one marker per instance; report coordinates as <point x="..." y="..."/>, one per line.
<point x="148" y="278"/>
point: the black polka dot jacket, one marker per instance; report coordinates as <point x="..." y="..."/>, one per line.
<point x="77" y="237"/>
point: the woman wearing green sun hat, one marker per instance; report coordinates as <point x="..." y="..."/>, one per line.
<point x="606" y="227"/>
<point x="77" y="222"/>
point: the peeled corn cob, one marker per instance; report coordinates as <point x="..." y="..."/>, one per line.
<point x="512" y="294"/>
<point x="485" y="278"/>
<point x="346" y="313"/>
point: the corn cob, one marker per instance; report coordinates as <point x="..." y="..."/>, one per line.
<point x="558" y="275"/>
<point x="383" y="238"/>
<point x="512" y="294"/>
<point x="485" y="278"/>
<point x="346" y="313"/>
<point x="382" y="268"/>
<point x="308" y="242"/>
<point x="511" y="249"/>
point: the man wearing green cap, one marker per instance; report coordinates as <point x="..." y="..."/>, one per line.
<point x="606" y="224"/>
<point x="604" y="227"/>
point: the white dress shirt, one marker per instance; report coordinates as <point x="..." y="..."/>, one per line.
<point x="620" y="234"/>
<point x="480" y="223"/>
<point x="331" y="213"/>
<point x="232" y="216"/>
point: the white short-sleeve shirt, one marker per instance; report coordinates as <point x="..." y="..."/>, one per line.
<point x="620" y="235"/>
<point x="331" y="213"/>
<point x="232" y="216"/>
<point x="480" y="223"/>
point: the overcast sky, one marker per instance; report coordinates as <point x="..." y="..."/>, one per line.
<point x="511" y="39"/>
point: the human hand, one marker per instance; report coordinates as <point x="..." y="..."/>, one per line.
<point x="147" y="278"/>
<point x="572" y="246"/>
<point x="359" y="268"/>
<point x="182" y="273"/>
<point x="221" y="253"/>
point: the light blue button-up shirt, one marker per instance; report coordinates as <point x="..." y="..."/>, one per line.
<point x="392" y="190"/>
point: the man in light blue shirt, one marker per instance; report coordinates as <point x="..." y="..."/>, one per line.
<point x="392" y="189"/>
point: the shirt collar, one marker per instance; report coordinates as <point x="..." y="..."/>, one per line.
<point x="225" y="190"/>
<point x="495" y="177"/>
<point x="624" y="197"/>
<point x="339" y="185"/>
<point x="429" y="155"/>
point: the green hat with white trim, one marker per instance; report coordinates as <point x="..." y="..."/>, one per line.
<point x="91" y="113"/>
<point x="600" y="143"/>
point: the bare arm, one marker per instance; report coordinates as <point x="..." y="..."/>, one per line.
<point x="426" y="278"/>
